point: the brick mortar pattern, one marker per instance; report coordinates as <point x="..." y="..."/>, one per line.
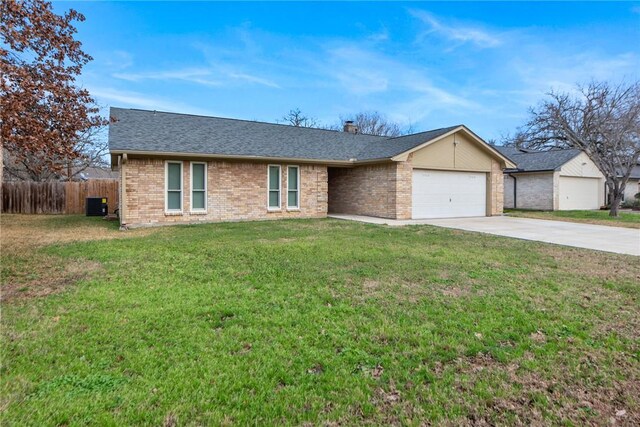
<point x="235" y="191"/>
<point x="535" y="191"/>
<point x="496" y="178"/>
<point x="370" y="190"/>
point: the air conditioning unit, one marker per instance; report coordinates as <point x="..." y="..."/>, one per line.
<point x="96" y="206"/>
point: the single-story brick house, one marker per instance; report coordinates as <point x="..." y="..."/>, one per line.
<point x="552" y="180"/>
<point x="180" y="168"/>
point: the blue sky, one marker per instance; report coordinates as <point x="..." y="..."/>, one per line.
<point x="424" y="64"/>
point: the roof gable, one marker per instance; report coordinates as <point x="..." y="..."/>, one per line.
<point x="472" y="137"/>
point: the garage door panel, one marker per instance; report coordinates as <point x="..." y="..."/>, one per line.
<point x="440" y="194"/>
<point x="576" y="193"/>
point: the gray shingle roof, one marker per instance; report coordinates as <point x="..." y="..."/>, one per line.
<point x="141" y="130"/>
<point x="530" y="161"/>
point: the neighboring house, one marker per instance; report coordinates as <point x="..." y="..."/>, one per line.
<point x="15" y="171"/>
<point x="94" y="172"/>
<point x="552" y="180"/>
<point x="179" y="168"/>
<point x="633" y="185"/>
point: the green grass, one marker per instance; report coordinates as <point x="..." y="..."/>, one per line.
<point x="319" y="321"/>
<point x="624" y="219"/>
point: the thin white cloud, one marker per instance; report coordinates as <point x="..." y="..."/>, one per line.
<point x="193" y="75"/>
<point x="253" y="79"/>
<point x="110" y="96"/>
<point x="118" y="60"/>
<point x="357" y="70"/>
<point x="380" y="36"/>
<point x="459" y="34"/>
<point x="201" y="76"/>
<point x="563" y="72"/>
<point x="368" y="73"/>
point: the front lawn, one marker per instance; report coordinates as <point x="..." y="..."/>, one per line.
<point x="624" y="219"/>
<point x="320" y="321"/>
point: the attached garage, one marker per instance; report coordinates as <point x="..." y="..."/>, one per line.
<point x="448" y="194"/>
<point x="552" y="180"/>
<point x="456" y="176"/>
<point x="447" y="173"/>
<point x="579" y="193"/>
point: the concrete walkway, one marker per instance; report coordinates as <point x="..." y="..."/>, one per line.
<point x="598" y="237"/>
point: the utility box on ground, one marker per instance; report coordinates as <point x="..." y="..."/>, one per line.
<point x="96" y="206"/>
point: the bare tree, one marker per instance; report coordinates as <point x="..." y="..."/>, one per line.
<point x="295" y="117"/>
<point x="372" y="123"/>
<point x="602" y="119"/>
<point x="90" y="150"/>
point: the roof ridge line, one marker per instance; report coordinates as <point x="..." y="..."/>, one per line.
<point x="285" y="125"/>
<point x="425" y="131"/>
<point x="250" y="121"/>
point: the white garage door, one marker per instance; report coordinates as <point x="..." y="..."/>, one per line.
<point x="438" y="194"/>
<point x="579" y="193"/>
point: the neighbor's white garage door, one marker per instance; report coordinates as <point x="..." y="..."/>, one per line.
<point x="579" y="193"/>
<point x="439" y="194"/>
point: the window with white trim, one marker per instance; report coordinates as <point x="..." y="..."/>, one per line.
<point x="293" y="187"/>
<point x="273" y="182"/>
<point x="173" y="179"/>
<point x="198" y="187"/>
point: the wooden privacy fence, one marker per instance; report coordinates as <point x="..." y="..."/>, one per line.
<point x="56" y="197"/>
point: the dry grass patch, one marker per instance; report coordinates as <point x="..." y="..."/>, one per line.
<point x="23" y="233"/>
<point x="50" y="275"/>
<point x="529" y="397"/>
<point x="28" y="272"/>
<point x="593" y="264"/>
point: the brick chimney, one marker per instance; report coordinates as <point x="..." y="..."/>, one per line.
<point x="350" y="127"/>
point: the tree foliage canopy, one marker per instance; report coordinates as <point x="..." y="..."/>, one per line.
<point x="44" y="114"/>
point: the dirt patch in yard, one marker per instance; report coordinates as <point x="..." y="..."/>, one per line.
<point x="50" y="275"/>
<point x="28" y="272"/>
<point x="564" y="396"/>
<point x="20" y="233"/>
<point x="594" y="264"/>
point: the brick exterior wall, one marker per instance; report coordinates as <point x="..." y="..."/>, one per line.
<point x="382" y="190"/>
<point x="534" y="191"/>
<point x="496" y="182"/>
<point x="404" y="187"/>
<point x="238" y="191"/>
<point x="235" y="191"/>
<point x="508" y="192"/>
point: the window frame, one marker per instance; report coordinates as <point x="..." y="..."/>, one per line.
<point x="297" y="205"/>
<point x="279" y="207"/>
<point x="206" y="205"/>
<point x="166" y="187"/>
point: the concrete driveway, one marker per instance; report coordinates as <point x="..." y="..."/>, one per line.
<point x="599" y="237"/>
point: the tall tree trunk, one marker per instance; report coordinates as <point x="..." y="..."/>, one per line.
<point x="615" y="204"/>
<point x="609" y="192"/>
